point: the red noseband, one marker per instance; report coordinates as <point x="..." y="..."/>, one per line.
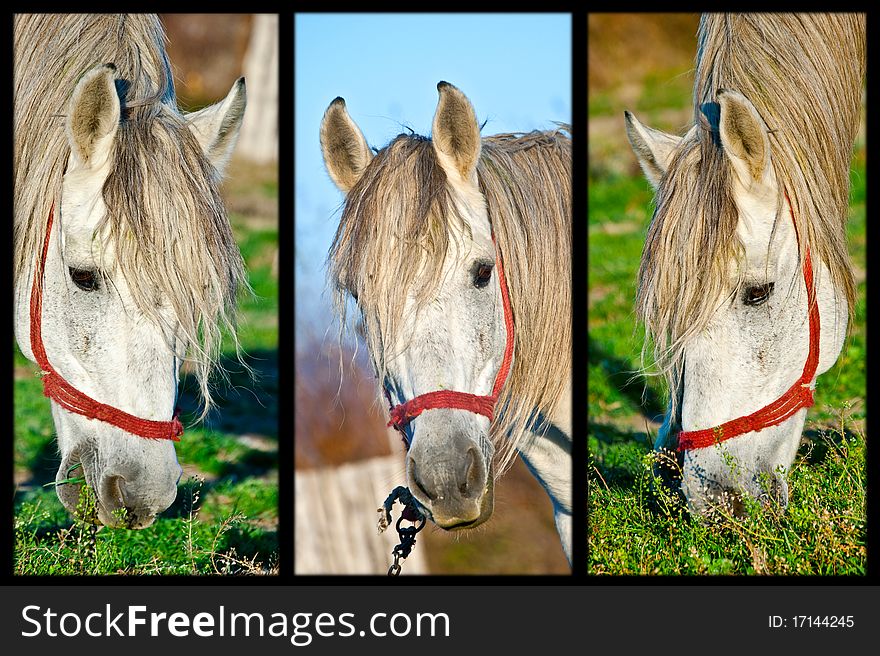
<point x="404" y="413"/>
<point x="799" y="395"/>
<point x="65" y="394"/>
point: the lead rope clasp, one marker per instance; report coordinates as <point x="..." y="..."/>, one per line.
<point x="412" y="512"/>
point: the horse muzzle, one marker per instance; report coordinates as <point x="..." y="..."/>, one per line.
<point x="121" y="496"/>
<point x="452" y="479"/>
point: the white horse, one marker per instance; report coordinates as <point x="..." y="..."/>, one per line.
<point x="140" y="265"/>
<point x="748" y="245"/>
<point x="426" y="228"/>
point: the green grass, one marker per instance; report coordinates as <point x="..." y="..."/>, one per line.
<point x="203" y="539"/>
<point x="226" y="515"/>
<point x="635" y="526"/>
<point x="661" y="90"/>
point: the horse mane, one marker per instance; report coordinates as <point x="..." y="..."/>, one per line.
<point x="402" y="204"/>
<point x="165" y="216"/>
<point x="804" y="74"/>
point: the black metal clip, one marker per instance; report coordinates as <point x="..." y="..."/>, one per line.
<point x="407" y="534"/>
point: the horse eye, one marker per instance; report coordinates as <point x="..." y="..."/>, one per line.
<point x="85" y="279"/>
<point x="758" y="294"/>
<point x="482" y="274"/>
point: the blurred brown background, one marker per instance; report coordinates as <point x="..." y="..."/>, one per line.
<point x="206" y="52"/>
<point x="662" y="41"/>
<point x="642" y="63"/>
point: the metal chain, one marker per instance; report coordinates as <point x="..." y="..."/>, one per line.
<point x="407" y="534"/>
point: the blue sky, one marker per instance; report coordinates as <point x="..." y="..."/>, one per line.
<point x="515" y="68"/>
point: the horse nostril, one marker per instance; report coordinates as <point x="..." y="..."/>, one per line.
<point x="472" y="473"/>
<point x="113" y="490"/>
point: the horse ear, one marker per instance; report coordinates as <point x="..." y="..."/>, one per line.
<point x="744" y="138"/>
<point x="653" y="148"/>
<point x="456" y="133"/>
<point x="93" y="116"/>
<point x="346" y="153"/>
<point x="216" y="127"/>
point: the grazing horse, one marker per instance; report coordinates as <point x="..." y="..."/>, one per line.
<point x="457" y="251"/>
<point x="125" y="262"/>
<point x="745" y="281"/>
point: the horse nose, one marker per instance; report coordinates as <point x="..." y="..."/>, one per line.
<point x="134" y="499"/>
<point x="452" y="488"/>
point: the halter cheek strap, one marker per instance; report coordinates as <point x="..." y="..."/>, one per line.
<point x="65" y="394"/>
<point x="404" y="413"/>
<point x="799" y="395"/>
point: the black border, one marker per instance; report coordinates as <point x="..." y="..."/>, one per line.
<point x="580" y="267"/>
<point x="872" y="565"/>
<point x="286" y="350"/>
<point x="285" y="384"/>
<point x="286" y="310"/>
<point x="7" y="534"/>
<point x="579" y="542"/>
<point x="872" y="456"/>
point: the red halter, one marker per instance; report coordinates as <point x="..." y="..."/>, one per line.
<point x="65" y="394"/>
<point x="799" y="395"/>
<point x="404" y="413"/>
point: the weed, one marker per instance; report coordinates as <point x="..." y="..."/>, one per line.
<point x="86" y="548"/>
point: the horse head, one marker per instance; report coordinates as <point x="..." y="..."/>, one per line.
<point x="118" y="306"/>
<point x="415" y="249"/>
<point x="726" y="291"/>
